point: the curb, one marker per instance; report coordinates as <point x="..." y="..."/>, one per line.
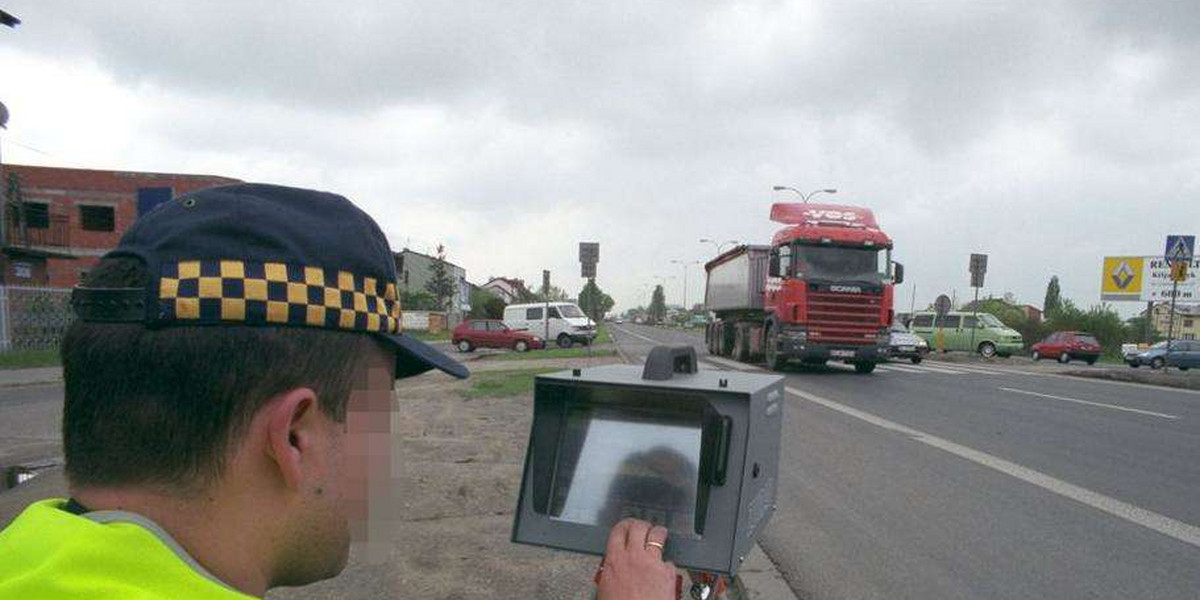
<point x="760" y="579"/>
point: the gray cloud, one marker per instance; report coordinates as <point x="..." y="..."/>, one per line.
<point x="1047" y="134"/>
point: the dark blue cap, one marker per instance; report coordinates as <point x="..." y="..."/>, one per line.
<point x="257" y="254"/>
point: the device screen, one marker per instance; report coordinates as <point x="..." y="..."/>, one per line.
<point x="615" y="463"/>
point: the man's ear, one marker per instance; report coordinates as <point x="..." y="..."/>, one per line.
<point x="293" y="428"/>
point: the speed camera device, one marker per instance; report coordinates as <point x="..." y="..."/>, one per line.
<point x="694" y="451"/>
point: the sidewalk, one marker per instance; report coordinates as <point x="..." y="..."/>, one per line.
<point x="19" y="377"/>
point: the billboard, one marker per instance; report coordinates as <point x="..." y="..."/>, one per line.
<point x="1145" y="279"/>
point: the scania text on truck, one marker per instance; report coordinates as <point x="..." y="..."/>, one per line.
<point x="821" y="291"/>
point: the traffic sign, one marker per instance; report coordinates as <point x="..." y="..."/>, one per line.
<point x="589" y="252"/>
<point x="942" y="305"/>
<point x="589" y="255"/>
<point x="1180" y="248"/>
<point x="978" y="269"/>
<point x="1179" y="271"/>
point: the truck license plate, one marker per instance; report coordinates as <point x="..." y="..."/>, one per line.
<point x="842" y="353"/>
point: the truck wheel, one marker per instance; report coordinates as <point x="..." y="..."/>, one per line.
<point x="1158" y="362"/>
<point x="1036" y="356"/>
<point x="774" y="361"/>
<point x="564" y="340"/>
<point x="864" y="367"/>
<point x="987" y="349"/>
<point x="916" y="360"/>
<point x="1064" y="358"/>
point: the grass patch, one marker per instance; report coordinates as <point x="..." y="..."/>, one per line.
<point x="603" y="335"/>
<point x="425" y="336"/>
<point x="573" y="352"/>
<point x="501" y="384"/>
<point x="28" y="359"/>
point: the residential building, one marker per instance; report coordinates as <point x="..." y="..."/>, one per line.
<point x="1187" y="320"/>
<point x="414" y="271"/>
<point x="1032" y="312"/>
<point x="56" y="223"/>
<point x="508" y="289"/>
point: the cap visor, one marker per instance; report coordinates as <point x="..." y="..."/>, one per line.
<point x="414" y="357"/>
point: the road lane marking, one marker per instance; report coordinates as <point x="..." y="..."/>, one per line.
<point x="1090" y="403"/>
<point x="942" y="370"/>
<point x="1184" y="532"/>
<point x="639" y="336"/>
<point x="729" y="363"/>
<point x="899" y="368"/>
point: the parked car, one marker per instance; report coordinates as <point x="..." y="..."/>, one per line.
<point x="619" y="321"/>
<point x="1183" y="354"/>
<point x="906" y="344"/>
<point x="1065" y="346"/>
<point x="562" y="322"/>
<point x="491" y="333"/>
<point x="1129" y="353"/>
<point x="991" y="336"/>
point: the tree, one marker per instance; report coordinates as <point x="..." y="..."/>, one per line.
<point x="1053" y="302"/>
<point x="485" y="305"/>
<point x="441" y="284"/>
<point x="594" y="301"/>
<point x="658" y="305"/>
<point x="419" y="300"/>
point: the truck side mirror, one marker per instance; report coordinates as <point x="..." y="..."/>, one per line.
<point x="773" y="264"/>
<point x="898" y="275"/>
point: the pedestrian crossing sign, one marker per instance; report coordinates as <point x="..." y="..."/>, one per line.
<point x="1180" y="248"/>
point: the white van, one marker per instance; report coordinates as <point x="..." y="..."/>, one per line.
<point x="566" y="322"/>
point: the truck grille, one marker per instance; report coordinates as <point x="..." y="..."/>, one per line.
<point x="844" y="318"/>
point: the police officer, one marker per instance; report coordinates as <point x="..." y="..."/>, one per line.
<point x="230" y="361"/>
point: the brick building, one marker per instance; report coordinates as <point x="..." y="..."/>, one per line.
<point x="56" y="223"/>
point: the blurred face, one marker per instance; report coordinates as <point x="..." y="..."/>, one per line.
<point x="340" y="507"/>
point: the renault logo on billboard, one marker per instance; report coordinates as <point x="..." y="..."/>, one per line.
<point x="1123" y="275"/>
<point x="1122" y="278"/>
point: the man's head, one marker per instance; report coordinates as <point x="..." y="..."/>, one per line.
<point x="239" y="348"/>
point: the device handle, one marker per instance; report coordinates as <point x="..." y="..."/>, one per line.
<point x="664" y="362"/>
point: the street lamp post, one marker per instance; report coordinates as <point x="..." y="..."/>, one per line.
<point x="718" y="245"/>
<point x="803" y="196"/>
<point x="685" y="265"/>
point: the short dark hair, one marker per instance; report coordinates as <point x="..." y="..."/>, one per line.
<point x="160" y="406"/>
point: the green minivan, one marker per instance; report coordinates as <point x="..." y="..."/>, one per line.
<point x="991" y="337"/>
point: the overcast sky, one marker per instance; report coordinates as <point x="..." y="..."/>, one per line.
<point x="1046" y="134"/>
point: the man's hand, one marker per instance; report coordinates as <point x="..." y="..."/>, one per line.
<point x="633" y="568"/>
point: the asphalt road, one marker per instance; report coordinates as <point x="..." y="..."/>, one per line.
<point x="970" y="481"/>
<point x="30" y="418"/>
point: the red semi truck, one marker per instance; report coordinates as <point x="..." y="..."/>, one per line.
<point x="821" y="291"/>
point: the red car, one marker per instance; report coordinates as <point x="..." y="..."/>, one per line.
<point x="1067" y="345"/>
<point x="490" y="333"/>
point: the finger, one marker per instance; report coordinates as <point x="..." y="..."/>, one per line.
<point x="637" y="535"/>
<point x="657" y="535"/>
<point x="617" y="536"/>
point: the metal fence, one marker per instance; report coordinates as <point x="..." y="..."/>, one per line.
<point x="33" y="318"/>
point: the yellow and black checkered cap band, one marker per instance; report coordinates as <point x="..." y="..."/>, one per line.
<point x="273" y="293"/>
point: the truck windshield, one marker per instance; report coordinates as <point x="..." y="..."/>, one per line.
<point x="839" y="263"/>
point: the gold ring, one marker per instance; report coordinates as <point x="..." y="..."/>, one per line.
<point x="658" y="545"/>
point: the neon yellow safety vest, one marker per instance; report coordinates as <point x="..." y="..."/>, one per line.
<point x="48" y="553"/>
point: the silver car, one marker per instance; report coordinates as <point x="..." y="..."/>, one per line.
<point x="906" y="344"/>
